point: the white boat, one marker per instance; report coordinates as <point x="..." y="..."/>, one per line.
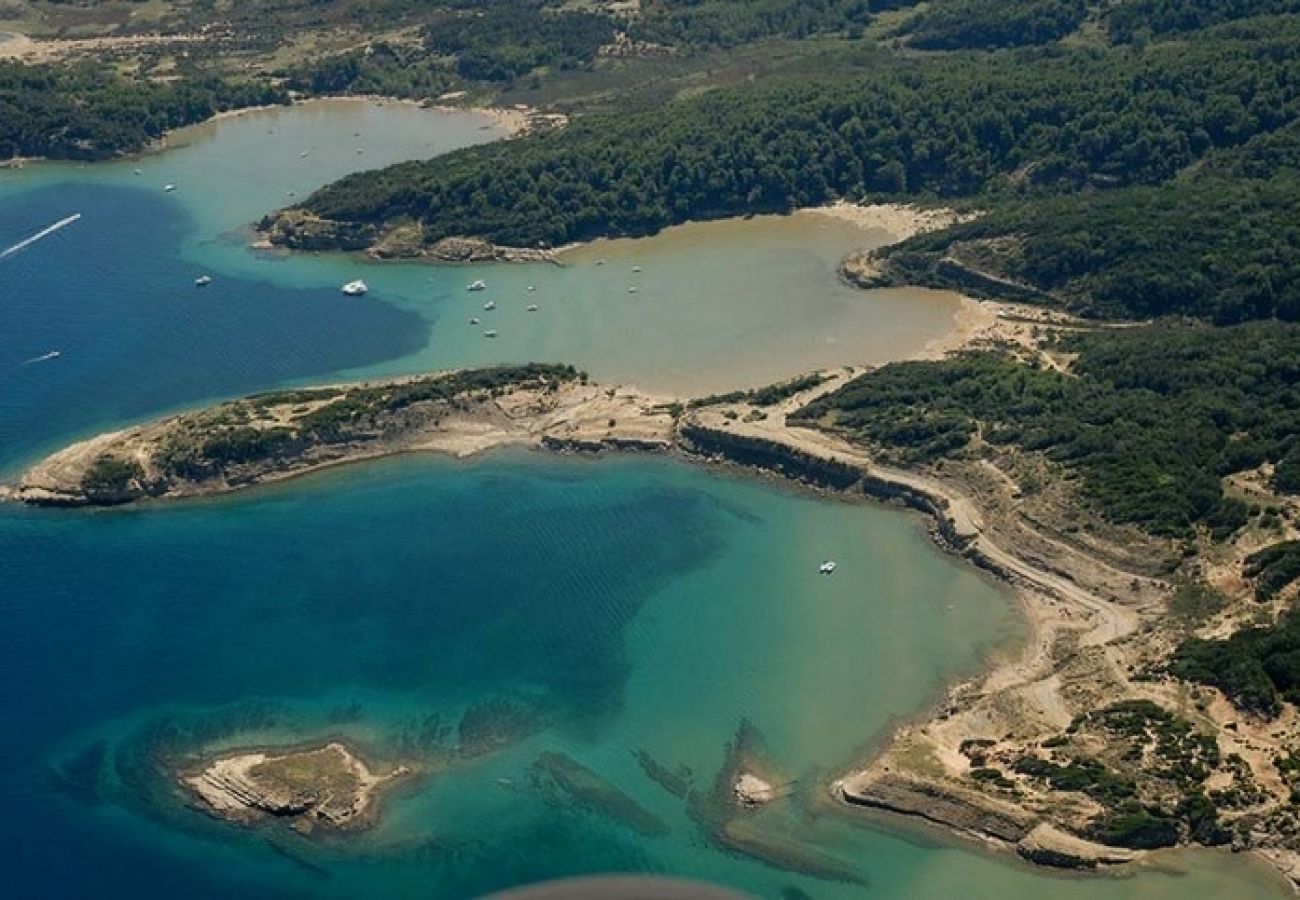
<point x="168" y="188"/>
<point x="600" y="262"/>
<point x="355" y="288"/>
<point x="531" y="288"/>
<point x="636" y="268"/>
<point x="489" y="333"/>
<point x="474" y="321"/>
<point x="476" y="286"/>
<point x="632" y="289"/>
<point x="203" y="281"/>
<point x="827" y="567"/>
<point x="532" y="307"/>
<point x="490" y="305"/>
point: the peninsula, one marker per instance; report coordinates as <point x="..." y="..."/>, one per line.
<point x="1087" y="748"/>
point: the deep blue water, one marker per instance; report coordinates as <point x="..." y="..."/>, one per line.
<point x="136" y="336"/>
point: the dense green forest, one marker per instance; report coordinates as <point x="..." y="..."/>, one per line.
<point x="83" y="112"/>
<point x="1215" y="248"/>
<point x="505" y="39"/>
<point x="727" y="23"/>
<point x="1149" y="420"/>
<point x="957" y="24"/>
<point x="1053" y="119"/>
<point x="1145" y="19"/>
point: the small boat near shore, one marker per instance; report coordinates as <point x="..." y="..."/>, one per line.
<point x="203" y="281"/>
<point x="532" y="307"/>
<point x="355" y="288"/>
<point x="479" y="285"/>
<point x="490" y="305"/>
<point x="827" y="567"/>
<point x="490" y="333"/>
<point x="168" y="188"/>
<point x="474" y="320"/>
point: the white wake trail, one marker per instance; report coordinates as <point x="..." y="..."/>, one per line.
<point x="43" y="233"/>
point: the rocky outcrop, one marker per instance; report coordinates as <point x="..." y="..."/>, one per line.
<point x="330" y="784"/>
<point x="762" y="453"/>
<point x="1049" y="846"/>
<point x="297" y="229"/>
<point x="865" y="270"/>
<point x="945" y="805"/>
<point x="475" y="250"/>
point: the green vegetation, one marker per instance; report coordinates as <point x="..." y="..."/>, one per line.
<point x="1148" y="747"/>
<point x="770" y="395"/>
<point x="1172" y="749"/>
<point x="693" y="24"/>
<point x="1213" y="248"/>
<point x="1150" y="418"/>
<point x="955" y="24"/>
<point x="1085" y="775"/>
<point x="390" y="70"/>
<point x="951" y="126"/>
<point x="1257" y="668"/>
<point x="1134" y="827"/>
<point x="86" y="112"/>
<point x="111" y="475"/>
<point x="504" y="39"/>
<point x="224" y="438"/>
<point x="1273" y="568"/>
<point x="1195" y="601"/>
<point x="1144" y="19"/>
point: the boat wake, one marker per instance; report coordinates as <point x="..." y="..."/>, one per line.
<point x="43" y="233"/>
<point x="53" y="354"/>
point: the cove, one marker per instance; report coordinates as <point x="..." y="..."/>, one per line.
<point x="620" y="605"/>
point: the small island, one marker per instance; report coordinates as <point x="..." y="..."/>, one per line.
<point x="330" y="786"/>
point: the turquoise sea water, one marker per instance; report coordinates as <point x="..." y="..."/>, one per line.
<point x="592" y="608"/>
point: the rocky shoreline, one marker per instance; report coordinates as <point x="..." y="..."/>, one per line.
<point x="1091" y="618"/>
<point x="330" y="786"/>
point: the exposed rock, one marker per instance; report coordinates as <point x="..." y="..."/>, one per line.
<point x="298" y="229"/>
<point x="947" y="805"/>
<point x="466" y="249"/>
<point x="862" y="269"/>
<point x="331" y="783"/>
<point x="750" y="790"/>
<point x="1050" y="846"/>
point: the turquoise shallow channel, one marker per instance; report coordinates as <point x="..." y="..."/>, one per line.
<point x="591" y="609"/>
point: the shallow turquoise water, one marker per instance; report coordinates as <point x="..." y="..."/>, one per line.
<point x="616" y="605"/>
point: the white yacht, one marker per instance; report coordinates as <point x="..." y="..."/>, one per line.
<point x="827" y="567"/>
<point x="489" y="333"/>
<point x="490" y="305"/>
<point x="474" y="321"/>
<point x="479" y="285"/>
<point x="168" y="188"/>
<point x="532" y="307"/>
<point x="355" y="288"/>
<point x="203" y="281"/>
